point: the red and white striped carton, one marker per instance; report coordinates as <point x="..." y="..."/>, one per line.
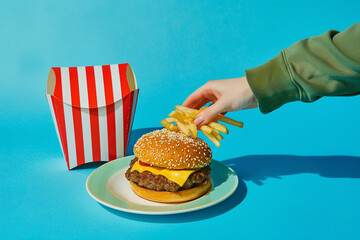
<point x="93" y="110"/>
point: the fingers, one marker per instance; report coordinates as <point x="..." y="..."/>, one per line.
<point x="210" y="113"/>
<point x="198" y="105"/>
<point x="194" y="98"/>
<point x="200" y="97"/>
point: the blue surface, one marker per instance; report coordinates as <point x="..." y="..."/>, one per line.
<point x="300" y="165"/>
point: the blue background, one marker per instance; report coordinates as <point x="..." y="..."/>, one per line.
<point x="299" y="165"/>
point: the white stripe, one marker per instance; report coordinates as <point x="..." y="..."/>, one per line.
<point x="48" y="97"/>
<point x="132" y="114"/>
<point x="115" y="77"/>
<point x="70" y="135"/>
<point x="104" y="151"/>
<point x="65" y="82"/>
<point x="83" y="91"/>
<point x="119" y="128"/>
<point x="99" y="83"/>
<point x="85" y="119"/>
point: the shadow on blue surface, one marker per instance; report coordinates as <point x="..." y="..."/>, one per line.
<point x="257" y="168"/>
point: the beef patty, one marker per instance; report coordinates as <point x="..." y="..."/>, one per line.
<point x="160" y="183"/>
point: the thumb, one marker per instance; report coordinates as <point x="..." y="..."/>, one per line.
<point x="210" y="113"/>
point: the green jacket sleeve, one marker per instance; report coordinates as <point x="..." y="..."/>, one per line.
<point x="325" y="65"/>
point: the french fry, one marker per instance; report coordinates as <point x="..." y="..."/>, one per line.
<point x="172" y="113"/>
<point x="168" y="125"/>
<point x="230" y="121"/>
<point x="178" y="115"/>
<point x="219" y="127"/>
<point x="184" y="117"/>
<point x="183" y="128"/>
<point x="173" y="127"/>
<point x="213" y="139"/>
<point x="165" y="123"/>
<point x="193" y="128"/>
<point x="170" y="119"/>
<point x="217" y="135"/>
<point x="206" y="128"/>
<point x="189" y="115"/>
<point x="186" y="109"/>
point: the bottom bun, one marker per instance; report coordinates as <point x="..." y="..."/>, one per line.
<point x="172" y="197"/>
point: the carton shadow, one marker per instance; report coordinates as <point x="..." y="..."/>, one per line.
<point x="257" y="168"/>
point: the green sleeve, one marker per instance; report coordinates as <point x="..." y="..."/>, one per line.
<point x="325" y="65"/>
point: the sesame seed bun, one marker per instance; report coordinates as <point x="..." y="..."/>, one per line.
<point x="172" y="197"/>
<point x="172" y="150"/>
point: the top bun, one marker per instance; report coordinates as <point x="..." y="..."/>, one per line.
<point x="172" y="150"/>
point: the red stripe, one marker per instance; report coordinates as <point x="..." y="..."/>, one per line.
<point x="125" y="90"/>
<point x="58" y="85"/>
<point x="127" y="102"/>
<point x="59" y="113"/>
<point x="95" y="134"/>
<point x="109" y="95"/>
<point x="110" y="111"/>
<point x="75" y="100"/>
<point x="133" y="101"/>
<point x="60" y="121"/>
<point x="74" y="86"/>
<point x="130" y="116"/>
<point x="94" y="114"/>
<point x="91" y="86"/>
<point x="127" y="107"/>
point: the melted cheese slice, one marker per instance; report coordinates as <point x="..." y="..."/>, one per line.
<point x="178" y="176"/>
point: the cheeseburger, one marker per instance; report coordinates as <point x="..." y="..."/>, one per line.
<point x="170" y="167"/>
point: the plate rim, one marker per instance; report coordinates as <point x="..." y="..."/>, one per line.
<point x="212" y="203"/>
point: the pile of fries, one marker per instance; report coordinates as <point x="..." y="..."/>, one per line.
<point x="182" y="119"/>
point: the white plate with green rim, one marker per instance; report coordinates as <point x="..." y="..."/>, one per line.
<point x="107" y="185"/>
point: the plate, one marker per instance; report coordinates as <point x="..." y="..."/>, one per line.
<point x="107" y="185"/>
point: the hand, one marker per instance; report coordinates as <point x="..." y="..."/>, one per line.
<point x="227" y="95"/>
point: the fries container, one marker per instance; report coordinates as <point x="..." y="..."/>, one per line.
<point x="93" y="110"/>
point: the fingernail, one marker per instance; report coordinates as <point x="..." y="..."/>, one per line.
<point x="199" y="120"/>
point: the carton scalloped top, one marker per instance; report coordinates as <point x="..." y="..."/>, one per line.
<point x="93" y="109"/>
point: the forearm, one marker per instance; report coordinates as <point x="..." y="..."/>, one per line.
<point x="325" y="65"/>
